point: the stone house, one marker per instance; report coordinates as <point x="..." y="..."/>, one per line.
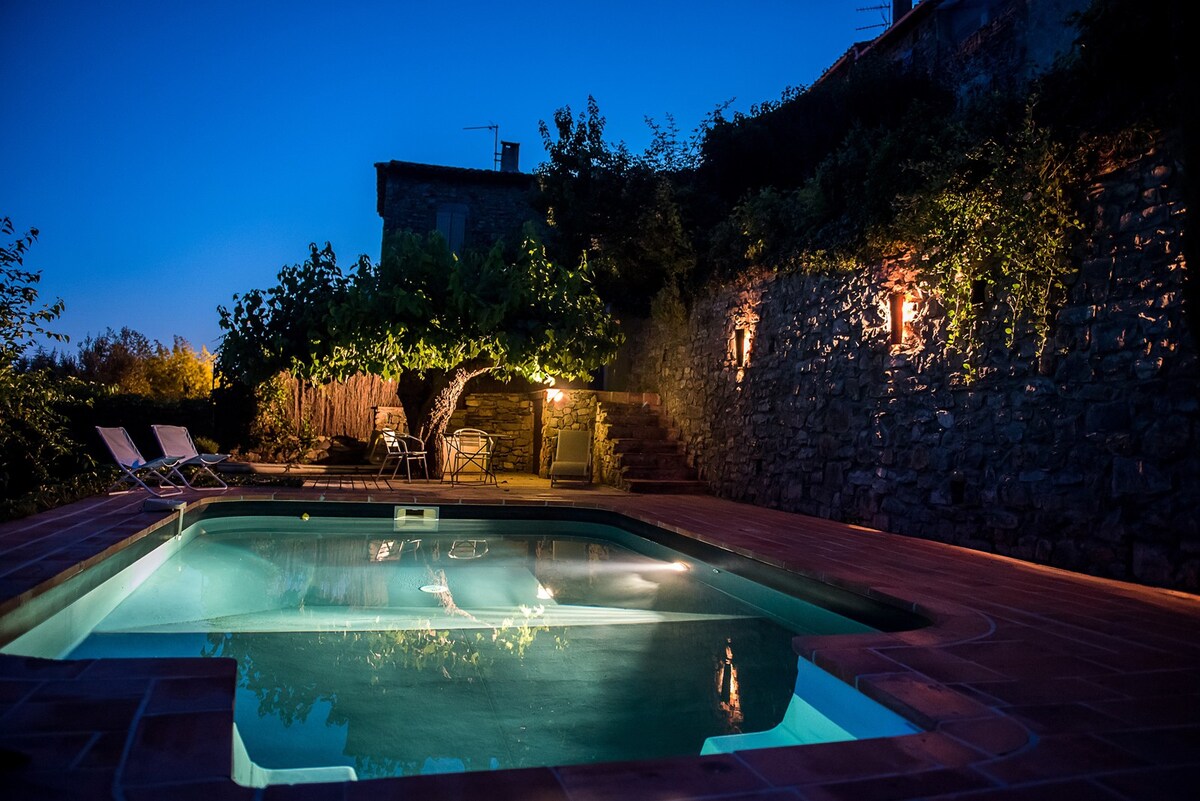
<point x="471" y="208"/>
<point x="979" y="44"/>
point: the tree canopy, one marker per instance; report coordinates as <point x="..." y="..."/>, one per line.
<point x="425" y="316"/>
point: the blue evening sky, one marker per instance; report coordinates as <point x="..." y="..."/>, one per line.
<point x="174" y="153"/>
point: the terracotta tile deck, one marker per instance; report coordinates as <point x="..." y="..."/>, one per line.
<point x="1033" y="683"/>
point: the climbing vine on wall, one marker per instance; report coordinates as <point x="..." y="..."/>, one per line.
<point x="993" y="236"/>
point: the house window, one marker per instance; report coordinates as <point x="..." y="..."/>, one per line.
<point x="452" y="224"/>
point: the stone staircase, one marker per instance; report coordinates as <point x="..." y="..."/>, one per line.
<point x="640" y="453"/>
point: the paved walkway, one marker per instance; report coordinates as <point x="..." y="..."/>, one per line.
<point x="1032" y="683"/>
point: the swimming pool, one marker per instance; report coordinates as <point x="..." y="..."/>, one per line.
<point x="382" y="641"/>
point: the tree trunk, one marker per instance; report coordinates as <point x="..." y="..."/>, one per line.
<point x="430" y="401"/>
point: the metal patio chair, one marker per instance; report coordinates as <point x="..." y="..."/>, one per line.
<point x="468" y="450"/>
<point x="404" y="449"/>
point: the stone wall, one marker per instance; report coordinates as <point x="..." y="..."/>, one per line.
<point x="579" y="409"/>
<point x="575" y="410"/>
<point x="509" y="415"/>
<point x="981" y="45"/>
<point x="1083" y="456"/>
<point x="497" y="204"/>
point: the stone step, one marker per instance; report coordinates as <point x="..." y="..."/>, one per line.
<point x="650" y="459"/>
<point x="633" y="445"/>
<point x="667" y="487"/>
<point x="631" y="414"/>
<point x="678" y="472"/>
<point x="647" y="432"/>
<point x="648" y="455"/>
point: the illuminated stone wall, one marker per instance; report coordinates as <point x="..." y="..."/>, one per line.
<point x="1086" y="456"/>
<point x="508" y="414"/>
<point x="579" y="409"/>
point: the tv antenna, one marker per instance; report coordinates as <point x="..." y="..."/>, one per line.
<point x="495" y="129"/>
<point x="885" y="17"/>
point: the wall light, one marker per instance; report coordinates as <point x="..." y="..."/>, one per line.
<point x="553" y="396"/>
<point x="896" y="309"/>
<point x="741" y="346"/>
<point x="902" y="311"/>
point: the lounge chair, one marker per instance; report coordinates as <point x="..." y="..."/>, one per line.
<point x="572" y="457"/>
<point x="176" y="443"/>
<point x="135" y="468"/>
<point x="404" y="449"/>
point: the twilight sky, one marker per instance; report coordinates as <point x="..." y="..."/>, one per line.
<point x="175" y="153"/>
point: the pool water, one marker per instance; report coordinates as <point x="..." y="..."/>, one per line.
<point x="460" y="645"/>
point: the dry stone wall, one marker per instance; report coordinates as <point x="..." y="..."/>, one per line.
<point x="509" y="415"/>
<point x="1082" y="455"/>
<point x="578" y="409"/>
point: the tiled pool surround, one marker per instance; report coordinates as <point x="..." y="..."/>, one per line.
<point x="1032" y="682"/>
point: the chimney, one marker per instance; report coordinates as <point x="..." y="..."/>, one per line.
<point x="900" y="8"/>
<point x="509" y="152"/>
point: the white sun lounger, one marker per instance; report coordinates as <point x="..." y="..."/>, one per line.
<point x="135" y="468"/>
<point x="176" y="443"/>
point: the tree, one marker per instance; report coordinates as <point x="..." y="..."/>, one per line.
<point x="126" y="362"/>
<point x="617" y="209"/>
<point x="425" y="317"/>
<point x="117" y="359"/>
<point x="33" y="439"/>
<point x="179" y="371"/>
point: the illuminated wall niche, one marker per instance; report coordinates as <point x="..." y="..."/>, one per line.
<point x="741" y="346"/>
<point x="743" y="325"/>
<point x="902" y="310"/>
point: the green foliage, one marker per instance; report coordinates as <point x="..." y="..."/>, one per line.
<point x="668" y="152"/>
<point x="206" y="444"/>
<point x="829" y="221"/>
<point x="288" y="327"/>
<point x="180" y="371"/>
<point x="618" y="210"/>
<point x="997" y="225"/>
<point x="126" y="362"/>
<point x="21" y="319"/>
<point x="982" y="197"/>
<point x="34" y="446"/>
<point x="981" y="191"/>
<point x="425" y="316"/>
<point x="424" y="309"/>
<point x="274" y="435"/>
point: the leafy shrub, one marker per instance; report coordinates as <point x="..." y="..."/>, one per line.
<point x="274" y="435"/>
<point x="206" y="445"/>
<point x="34" y="447"/>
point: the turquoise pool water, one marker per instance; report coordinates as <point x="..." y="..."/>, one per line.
<point x="414" y="645"/>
